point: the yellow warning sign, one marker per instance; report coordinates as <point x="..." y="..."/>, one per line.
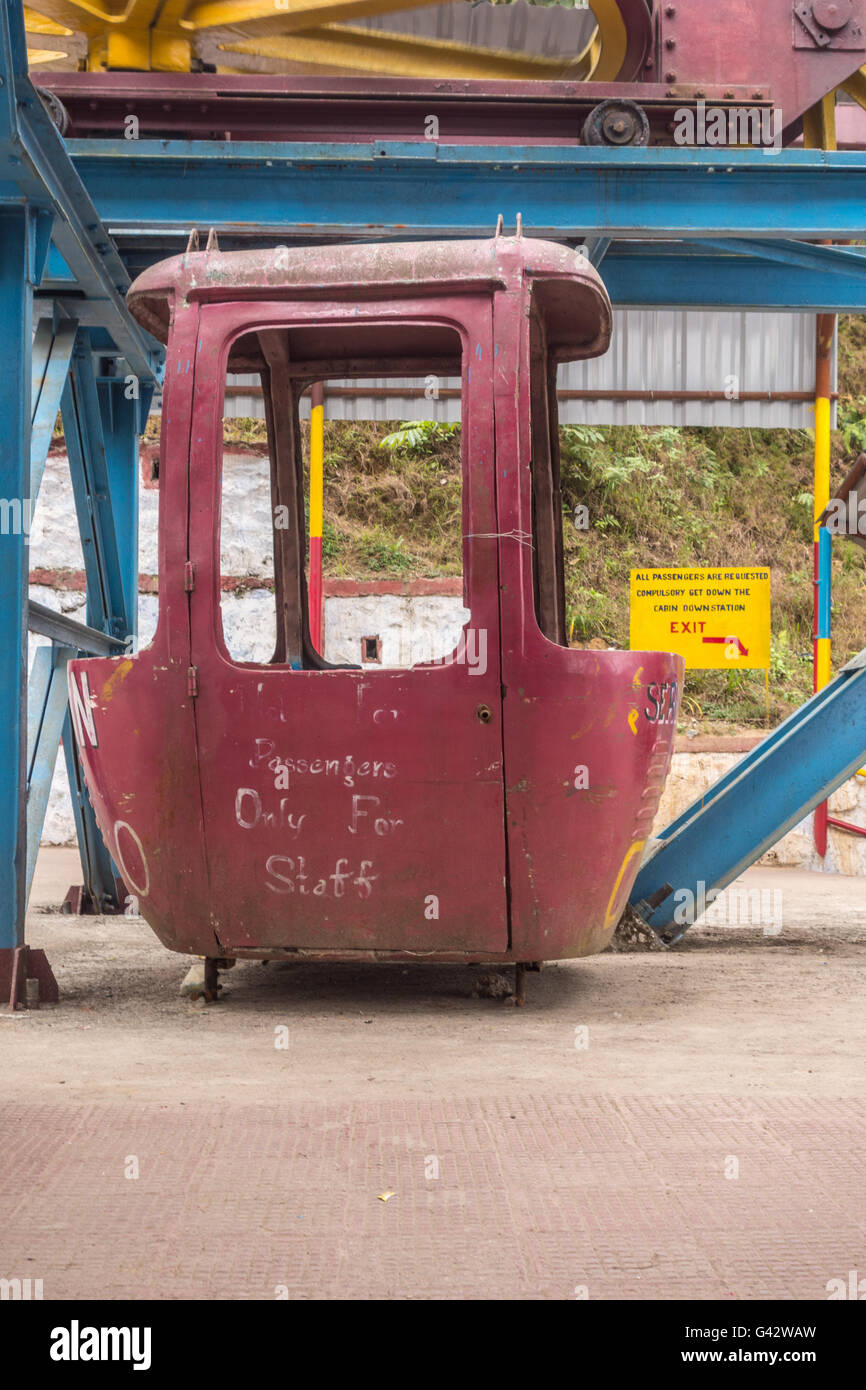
<point x="714" y="618"/>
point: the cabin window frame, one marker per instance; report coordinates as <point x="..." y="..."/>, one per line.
<point x="217" y="334"/>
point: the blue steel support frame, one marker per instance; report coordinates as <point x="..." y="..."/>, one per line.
<point x="41" y="197"/>
<point x="675" y="227"/>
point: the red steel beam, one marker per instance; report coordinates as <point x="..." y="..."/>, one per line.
<point x="205" y="106"/>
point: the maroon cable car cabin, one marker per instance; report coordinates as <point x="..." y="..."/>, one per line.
<point x="462" y="810"/>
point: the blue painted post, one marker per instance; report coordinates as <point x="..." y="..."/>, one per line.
<point x="16" y="304"/>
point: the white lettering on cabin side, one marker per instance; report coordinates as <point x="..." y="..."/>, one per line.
<point x="288" y="875"/>
<point x="81" y="708"/>
<point x="381" y="825"/>
<point x="251" y="815"/>
<point x="348" y="768"/>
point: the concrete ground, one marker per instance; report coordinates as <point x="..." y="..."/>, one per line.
<point x="685" y="1124"/>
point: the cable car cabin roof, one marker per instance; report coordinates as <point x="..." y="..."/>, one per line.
<point x="569" y="294"/>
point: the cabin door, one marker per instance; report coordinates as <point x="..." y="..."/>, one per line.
<point x="352" y="809"/>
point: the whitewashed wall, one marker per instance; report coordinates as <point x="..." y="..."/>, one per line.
<point x="692" y="774"/>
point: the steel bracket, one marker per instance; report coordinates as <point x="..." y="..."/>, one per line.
<point x="18" y="966"/>
<point x="809" y="32"/>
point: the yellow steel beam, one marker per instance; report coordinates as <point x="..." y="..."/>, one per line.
<point x="66" y="15"/>
<point x="37" y="24"/>
<point x="856" y="87"/>
<point x="612" y="41"/>
<point x="366" y="50"/>
<point x="86" y="16"/>
<point x="819" y="124"/>
<point x="286" y="16"/>
<point x="36" y="56"/>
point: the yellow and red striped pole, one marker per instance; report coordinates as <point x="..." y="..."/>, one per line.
<point x="819" y="132"/>
<point x="822" y="542"/>
<point x="317" y="490"/>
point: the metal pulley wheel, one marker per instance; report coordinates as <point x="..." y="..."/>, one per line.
<point x="617" y="122"/>
<point x="55" y="108"/>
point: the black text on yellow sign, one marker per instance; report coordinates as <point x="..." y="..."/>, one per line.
<point x="716" y="619"/>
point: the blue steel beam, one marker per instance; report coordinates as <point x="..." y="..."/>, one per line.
<point x="661" y="277"/>
<point x="423" y="188"/>
<point x="759" y="800"/>
<point x="795" y="255"/>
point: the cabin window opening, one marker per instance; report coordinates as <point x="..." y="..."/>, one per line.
<point x="548" y="578"/>
<point x="394" y="510"/>
<point x="371" y="650"/>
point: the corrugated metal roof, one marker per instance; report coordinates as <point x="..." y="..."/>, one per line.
<point x="651" y="350"/>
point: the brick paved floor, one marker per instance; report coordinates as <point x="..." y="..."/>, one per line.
<point x="535" y="1197"/>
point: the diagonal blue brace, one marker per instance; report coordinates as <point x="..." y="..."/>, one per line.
<point x="758" y="801"/>
<point x="52" y="354"/>
<point x="46" y="713"/>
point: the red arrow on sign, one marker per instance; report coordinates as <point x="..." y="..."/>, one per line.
<point x="744" y="651"/>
